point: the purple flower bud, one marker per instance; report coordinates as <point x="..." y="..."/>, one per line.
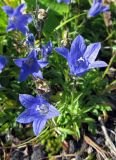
<point x="97" y="8"/>
<point x="3" y="62"/>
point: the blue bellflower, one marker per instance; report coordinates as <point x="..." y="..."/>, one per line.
<point x="30" y="39"/>
<point x="17" y="20"/>
<point x="97" y="8"/>
<point x="3" y="62"/>
<point x="46" y="50"/>
<point x="65" y="1"/>
<point x="30" y="65"/>
<point x="37" y="111"/>
<point x="81" y="58"/>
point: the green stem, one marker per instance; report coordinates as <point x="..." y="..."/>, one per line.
<point x="110" y="63"/>
<point x="67" y="21"/>
<point x="41" y="136"/>
<point x="108" y="37"/>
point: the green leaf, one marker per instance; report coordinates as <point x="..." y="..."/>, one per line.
<point x="77" y="130"/>
<point x="50" y="24"/>
<point x="88" y="120"/>
<point x="12" y="3"/>
<point x="54" y="6"/>
<point x="3" y="42"/>
<point x="65" y="130"/>
<point x="92" y="128"/>
<point x="3" y="21"/>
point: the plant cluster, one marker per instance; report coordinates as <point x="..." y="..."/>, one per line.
<point x="76" y="86"/>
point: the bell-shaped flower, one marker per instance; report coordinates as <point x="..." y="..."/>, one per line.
<point x="17" y="20"/>
<point x="37" y="111"/>
<point x="46" y="50"/>
<point x="97" y="7"/>
<point x="30" y="39"/>
<point x="30" y="65"/>
<point x="3" y="62"/>
<point x="81" y="58"/>
<point x="65" y="1"/>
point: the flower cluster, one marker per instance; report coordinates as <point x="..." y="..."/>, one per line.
<point x="80" y="58"/>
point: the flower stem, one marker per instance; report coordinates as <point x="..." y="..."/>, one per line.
<point x="67" y="21"/>
<point x="110" y="63"/>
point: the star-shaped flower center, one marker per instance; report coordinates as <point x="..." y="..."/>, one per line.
<point x="13" y="18"/>
<point x="81" y="62"/>
<point x="29" y="62"/>
<point x="81" y="59"/>
<point x="43" y="109"/>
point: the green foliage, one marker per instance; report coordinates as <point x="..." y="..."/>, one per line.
<point x="83" y="104"/>
<point x="60" y="9"/>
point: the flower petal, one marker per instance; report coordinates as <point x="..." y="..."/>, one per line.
<point x="19" y="62"/>
<point x="59" y="1"/>
<point x="49" y="46"/>
<point x="65" y="1"/>
<point x="19" y="9"/>
<point x="35" y="67"/>
<point x="78" y="71"/>
<point x="33" y="54"/>
<point x="24" y="19"/>
<point x="53" y="112"/>
<point x="41" y="100"/>
<point x="62" y="51"/>
<point x="98" y="64"/>
<point x="92" y="52"/>
<point x="78" y="47"/>
<point x="38" y="74"/>
<point x="38" y="125"/>
<point x="24" y="73"/>
<point x="22" y="28"/>
<point x="47" y="49"/>
<point x="105" y="8"/>
<point x="100" y="1"/>
<point x="42" y="63"/>
<point x="9" y="10"/>
<point x="27" y="100"/>
<point x="10" y="26"/>
<point x="95" y="9"/>
<point x="26" y="117"/>
<point x="3" y="62"/>
<point x="30" y="40"/>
